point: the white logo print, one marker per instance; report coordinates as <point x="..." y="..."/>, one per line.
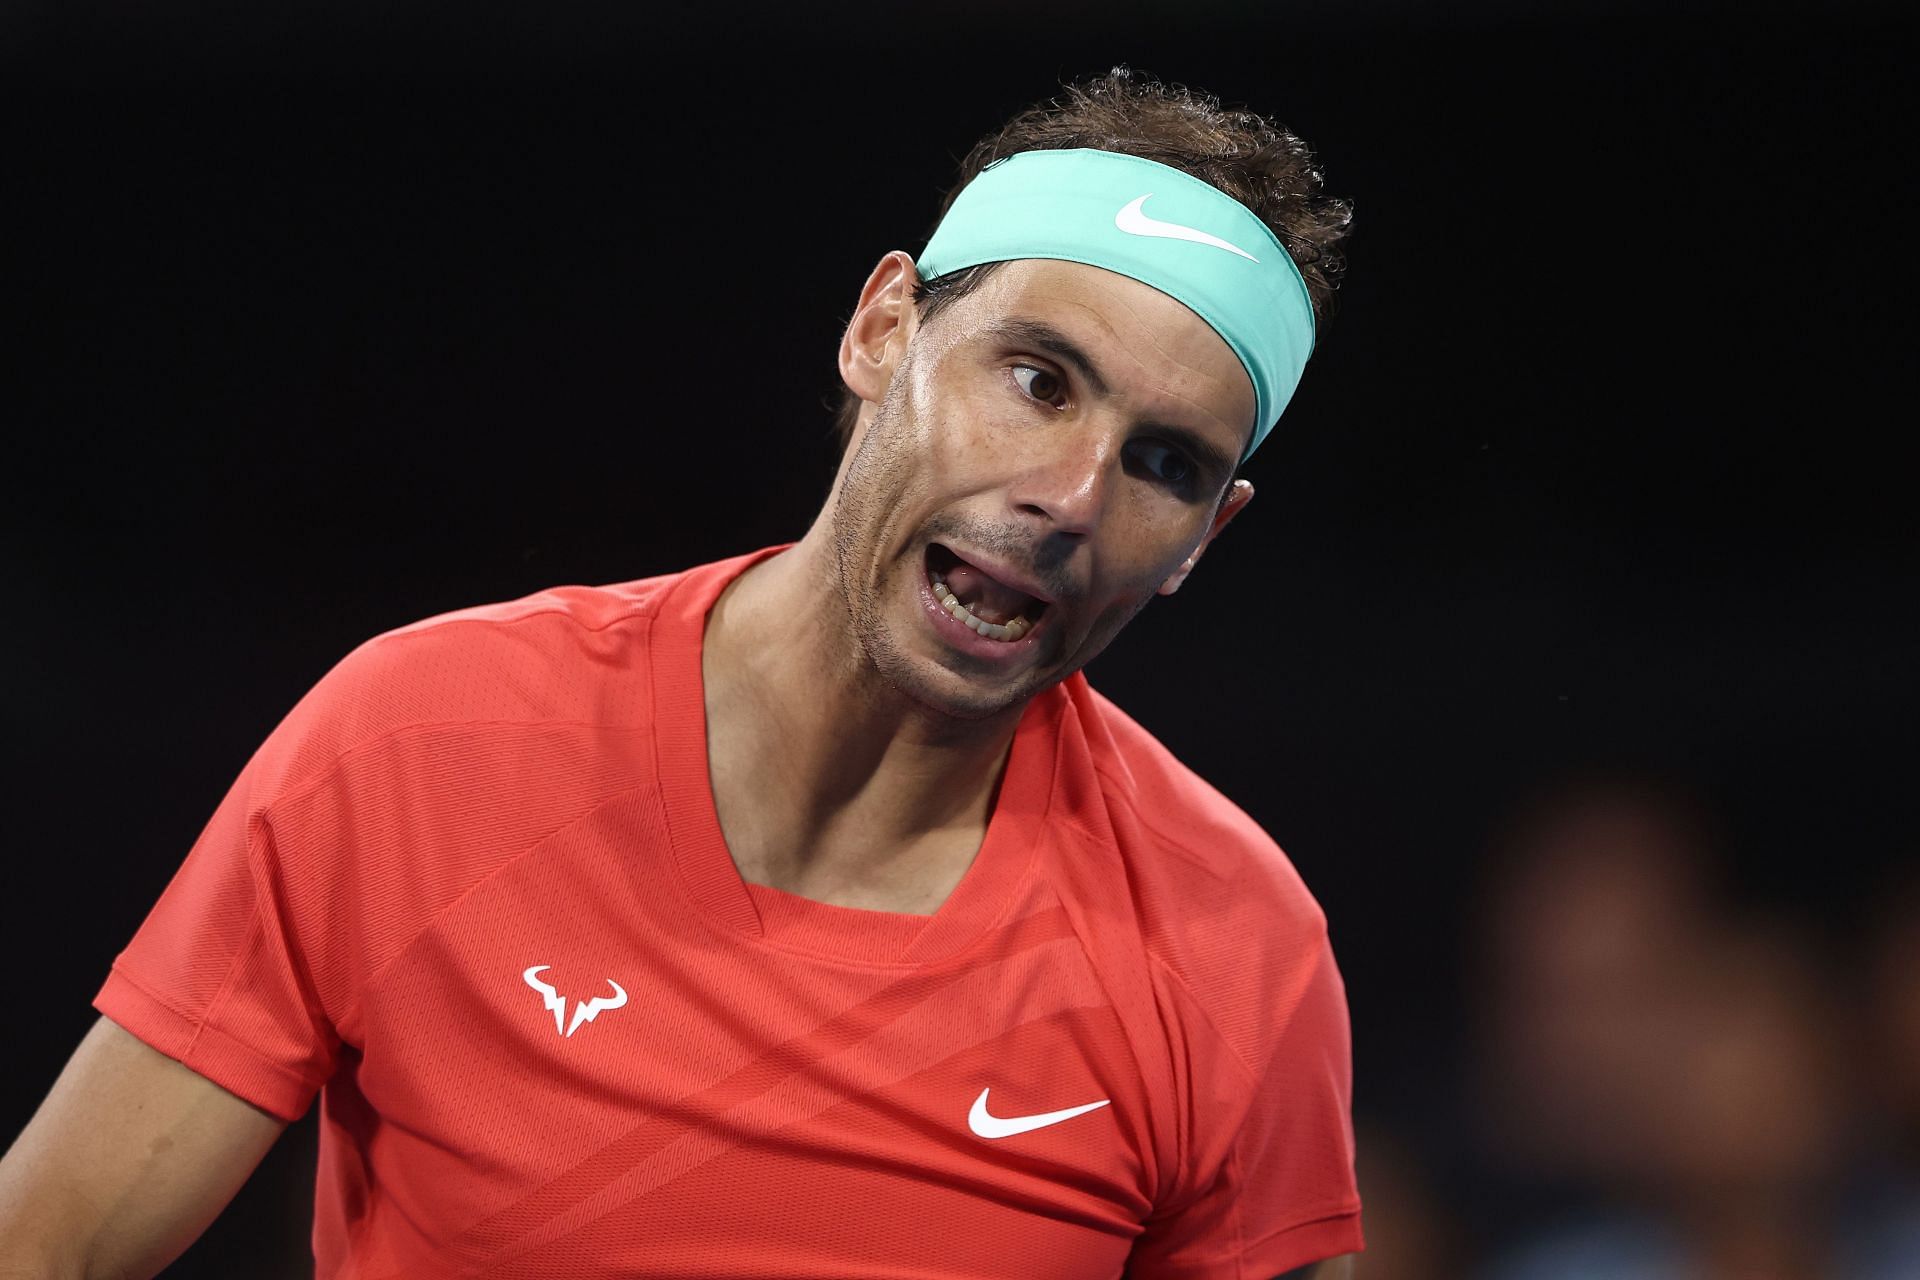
<point x="581" y="1012"/>
<point x="988" y="1125"/>
<point x="1134" y="221"/>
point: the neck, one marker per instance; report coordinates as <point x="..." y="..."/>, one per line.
<point x="828" y="782"/>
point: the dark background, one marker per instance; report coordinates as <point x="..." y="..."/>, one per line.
<point x="328" y="318"/>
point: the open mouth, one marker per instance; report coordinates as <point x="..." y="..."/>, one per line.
<point x="978" y="600"/>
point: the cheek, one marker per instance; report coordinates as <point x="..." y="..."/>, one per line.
<point x="1133" y="575"/>
<point x="964" y="450"/>
<point x="1153" y="535"/>
<point x="966" y="409"/>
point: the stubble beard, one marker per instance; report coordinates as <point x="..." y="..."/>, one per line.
<point x="879" y="473"/>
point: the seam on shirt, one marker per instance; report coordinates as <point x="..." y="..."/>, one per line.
<point x="1085" y="832"/>
<point x="1348" y="1212"/>
<point x="988" y="933"/>
<point x="644" y="609"/>
<point x="265" y="817"/>
<point x="1319" y="949"/>
<point x="1243" y="1244"/>
<point x="200" y="1023"/>
<point x="1162" y="1179"/>
<point x="1253" y="1081"/>
<point x="1253" y="1077"/>
<point x="351" y="1013"/>
<point x="1348" y="1209"/>
<point x="643" y="616"/>
<point x="1319" y="940"/>
<point x="1123" y="792"/>
<point x="257" y="930"/>
<point x="270" y="891"/>
<point x="254" y="928"/>
<point x="307" y="786"/>
<point x="165" y="1002"/>
<point x="399" y="635"/>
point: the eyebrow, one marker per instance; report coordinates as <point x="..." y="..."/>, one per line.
<point x="1038" y="333"/>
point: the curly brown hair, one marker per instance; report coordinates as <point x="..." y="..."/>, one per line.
<point x="1251" y="158"/>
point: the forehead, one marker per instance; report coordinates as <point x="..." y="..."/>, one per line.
<point x="1150" y="347"/>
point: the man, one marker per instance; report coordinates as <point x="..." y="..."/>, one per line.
<point x="805" y="914"/>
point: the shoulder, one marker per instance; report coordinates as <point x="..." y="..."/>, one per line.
<point x="434" y="755"/>
<point x="1222" y="908"/>
<point x="1193" y="842"/>
<point x="491" y="658"/>
<point x="577" y="610"/>
<point x="563" y="655"/>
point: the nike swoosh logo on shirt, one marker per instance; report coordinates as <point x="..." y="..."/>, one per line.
<point x="988" y="1125"/>
<point x="1133" y="220"/>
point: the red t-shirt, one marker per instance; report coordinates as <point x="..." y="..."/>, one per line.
<point x="472" y="891"/>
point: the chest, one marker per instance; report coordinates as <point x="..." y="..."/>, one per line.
<point x="548" y="1076"/>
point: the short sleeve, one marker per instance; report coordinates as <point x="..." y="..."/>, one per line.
<point x="217" y="976"/>
<point x="1282" y="1193"/>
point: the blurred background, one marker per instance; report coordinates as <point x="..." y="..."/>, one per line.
<point x="1568" y="648"/>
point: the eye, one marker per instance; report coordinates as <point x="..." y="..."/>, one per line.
<point x="1039" y="383"/>
<point x="1163" y="462"/>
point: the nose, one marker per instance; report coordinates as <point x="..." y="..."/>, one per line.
<point x="1066" y="483"/>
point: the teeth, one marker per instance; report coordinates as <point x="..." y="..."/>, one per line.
<point x="992" y="630"/>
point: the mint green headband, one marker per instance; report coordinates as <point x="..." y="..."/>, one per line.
<point x="1157" y="224"/>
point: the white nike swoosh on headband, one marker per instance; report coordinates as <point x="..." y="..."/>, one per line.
<point x="1134" y="221"/>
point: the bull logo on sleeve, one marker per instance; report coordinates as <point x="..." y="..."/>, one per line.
<point x="583" y="1011"/>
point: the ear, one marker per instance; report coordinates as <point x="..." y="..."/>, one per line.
<point x="1239" y="494"/>
<point x="881" y="326"/>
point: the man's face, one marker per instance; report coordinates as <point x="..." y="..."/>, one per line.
<point x="1048" y="452"/>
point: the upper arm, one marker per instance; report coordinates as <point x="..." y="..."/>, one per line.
<point x="1273" y="1184"/>
<point x="126" y="1162"/>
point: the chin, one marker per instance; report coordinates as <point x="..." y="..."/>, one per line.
<point x="930" y="684"/>
<point x="947" y="692"/>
